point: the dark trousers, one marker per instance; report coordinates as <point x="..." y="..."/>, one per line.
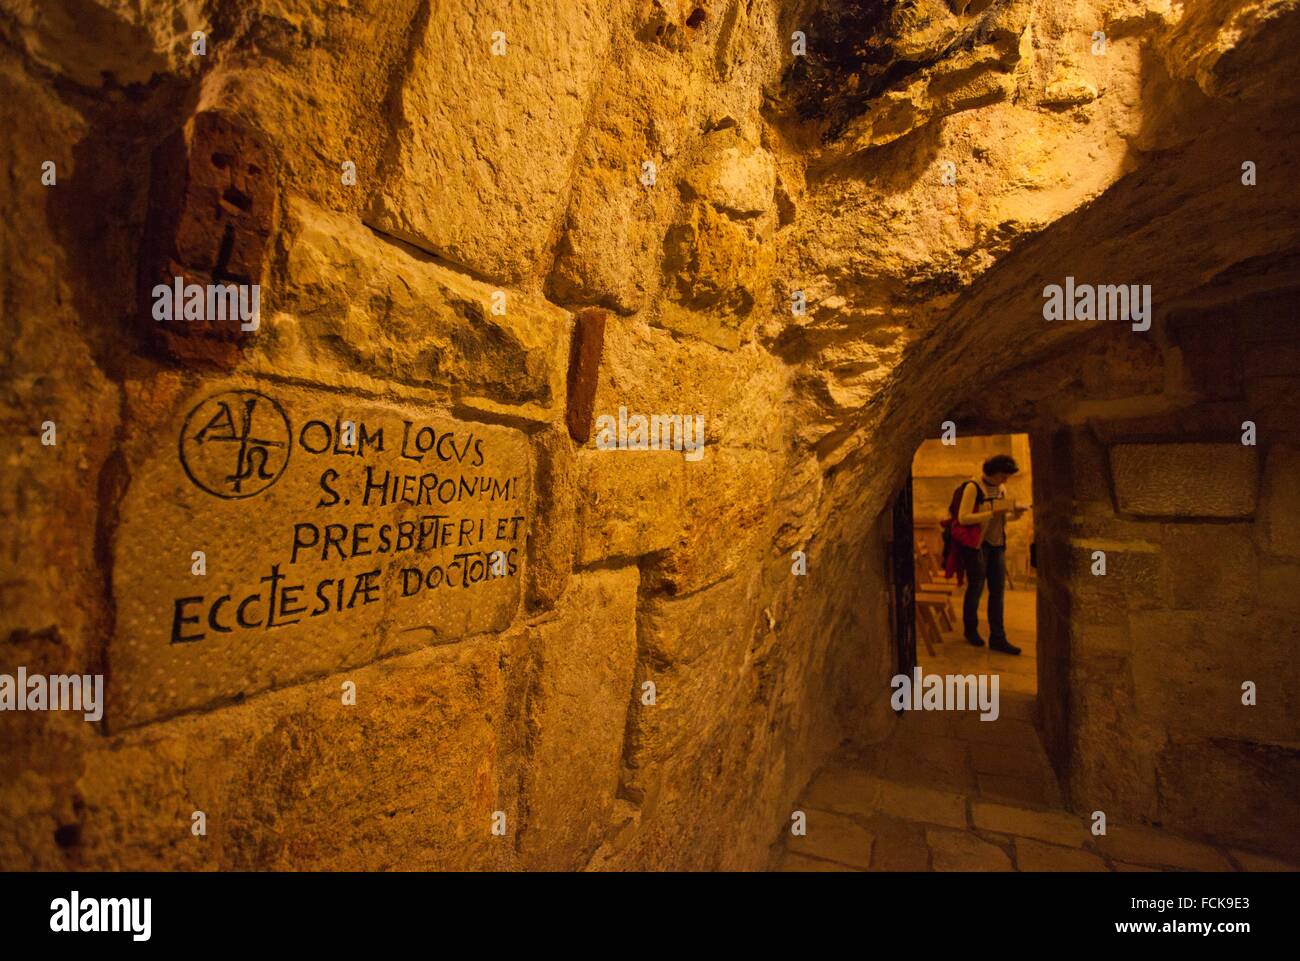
<point x="984" y="565"/>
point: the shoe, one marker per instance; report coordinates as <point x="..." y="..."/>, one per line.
<point x="1003" y="647"/>
<point x="975" y="640"/>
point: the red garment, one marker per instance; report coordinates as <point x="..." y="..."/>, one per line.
<point x="960" y="535"/>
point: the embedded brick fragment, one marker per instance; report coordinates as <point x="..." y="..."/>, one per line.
<point x="212" y="213"/>
<point x="584" y="371"/>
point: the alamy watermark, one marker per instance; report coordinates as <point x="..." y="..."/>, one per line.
<point x="946" y="692"/>
<point x="57" y="692"/>
<point x="75" y="914"/>
<point x="1131" y="302"/>
<point x="210" y="302"/>
<point x="684" y="432"/>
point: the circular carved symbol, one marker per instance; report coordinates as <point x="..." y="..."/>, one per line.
<point x="235" y="444"/>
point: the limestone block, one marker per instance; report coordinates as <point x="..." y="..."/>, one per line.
<point x="1189" y="667"/>
<point x="611" y="234"/>
<point x="1231" y="790"/>
<point x="964" y="851"/>
<point x="1089" y="639"/>
<point x="917" y="803"/>
<point x="715" y="275"/>
<point x="1083" y="469"/>
<point x="1210" y="566"/>
<point x="631" y="502"/>
<point x="552" y="541"/>
<point x="49" y="502"/>
<point x="693" y="652"/>
<point x="1250" y="861"/>
<point x="1033" y="855"/>
<point x="1212" y="358"/>
<point x="799" y="864"/>
<point x="361" y="301"/>
<point x="1279" y="586"/>
<point x="297" y="779"/>
<point x="1110" y="745"/>
<point x="484" y="143"/>
<point x="731" y="490"/>
<point x="845" y="791"/>
<point x="833" y="837"/>
<point x="673" y="630"/>
<point x="900" y="846"/>
<point x="578" y="711"/>
<point x="319" y="554"/>
<point x="1185" y="480"/>
<point x="1143" y="845"/>
<point x="1132" y="579"/>
<point x="89" y="41"/>
<point x="1054" y="827"/>
<point x="1279" y="509"/>
<point x="738" y="393"/>
<point x="1115" y="364"/>
<point x="736" y="177"/>
<point x="1272" y="358"/>
<point x="606" y="253"/>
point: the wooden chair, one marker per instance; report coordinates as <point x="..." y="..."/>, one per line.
<point x="927" y="625"/>
<point x="938" y="603"/>
<point x="930" y="579"/>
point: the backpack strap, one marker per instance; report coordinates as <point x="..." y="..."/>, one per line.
<point x="955" y="507"/>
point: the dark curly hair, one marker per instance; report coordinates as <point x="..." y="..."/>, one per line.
<point x="1000" y="464"/>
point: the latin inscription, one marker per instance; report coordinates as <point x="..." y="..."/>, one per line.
<point x="332" y="530"/>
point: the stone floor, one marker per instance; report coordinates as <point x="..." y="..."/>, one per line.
<point x="948" y="792"/>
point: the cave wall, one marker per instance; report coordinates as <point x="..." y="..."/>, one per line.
<point x="430" y="222"/>
<point x="392" y="182"/>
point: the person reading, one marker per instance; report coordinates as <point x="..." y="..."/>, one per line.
<point x="983" y="501"/>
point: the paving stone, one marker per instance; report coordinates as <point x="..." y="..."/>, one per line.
<point x="914" y="803"/>
<point x="1143" y="845"/>
<point x="1003" y="664"/>
<point x="900" y="846"/>
<point x="1015" y="789"/>
<point x="1007" y="760"/>
<point x="1001" y="731"/>
<point x="835" y="838"/>
<point x="1019" y="684"/>
<point x="1058" y="827"/>
<point x="1261" y="862"/>
<point x="915" y="724"/>
<point x="1034" y="855"/>
<point x="936" y="749"/>
<point x="1017" y="707"/>
<point x="844" y="790"/>
<point x="799" y="863"/>
<point x="905" y="769"/>
<point x="962" y="851"/>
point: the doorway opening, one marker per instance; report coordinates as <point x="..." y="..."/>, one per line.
<point x="992" y="755"/>
<point x="938" y="470"/>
